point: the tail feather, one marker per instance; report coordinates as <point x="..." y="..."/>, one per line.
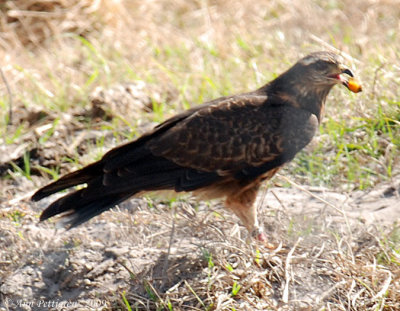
<point x="109" y="182"/>
<point x="69" y="203"/>
<point x="72" y="179"/>
<point x="83" y="209"/>
<point x="94" y="208"/>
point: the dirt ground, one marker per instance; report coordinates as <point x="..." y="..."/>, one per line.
<point x="125" y="252"/>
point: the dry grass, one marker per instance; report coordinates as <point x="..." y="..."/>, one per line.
<point x="56" y="53"/>
<point x="319" y="262"/>
<point x="31" y="23"/>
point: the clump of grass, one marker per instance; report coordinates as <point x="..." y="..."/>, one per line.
<point x="331" y="274"/>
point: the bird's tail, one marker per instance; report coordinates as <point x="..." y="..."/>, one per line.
<point x="72" y="179"/>
<point x="115" y="178"/>
<point x="77" y="209"/>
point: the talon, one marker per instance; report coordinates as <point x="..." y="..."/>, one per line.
<point x="261" y="236"/>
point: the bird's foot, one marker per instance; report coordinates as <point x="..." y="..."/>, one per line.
<point x="260" y="235"/>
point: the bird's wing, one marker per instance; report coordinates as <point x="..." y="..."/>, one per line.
<point x="239" y="138"/>
<point x="242" y="135"/>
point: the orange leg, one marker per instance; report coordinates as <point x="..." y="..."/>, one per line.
<point x="242" y="204"/>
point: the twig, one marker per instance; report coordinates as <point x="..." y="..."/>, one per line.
<point x="20" y="198"/>
<point x="171" y="238"/>
<point x="285" y="297"/>
<point x="375" y="79"/>
<point x="310" y="193"/>
<point x="10" y="98"/>
<point x="332" y="48"/>
<point x="130" y="271"/>
<point x="155" y="292"/>
<point x="261" y="202"/>
<point x="279" y="200"/>
<point x="328" y="292"/>
<point x="320" y="199"/>
<point x="385" y="286"/>
<point x="195" y="294"/>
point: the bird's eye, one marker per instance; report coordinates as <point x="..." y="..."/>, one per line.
<point x="320" y="66"/>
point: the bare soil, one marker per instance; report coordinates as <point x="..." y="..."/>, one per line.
<point x="126" y="251"/>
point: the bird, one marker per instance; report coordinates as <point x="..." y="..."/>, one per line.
<point x="224" y="148"/>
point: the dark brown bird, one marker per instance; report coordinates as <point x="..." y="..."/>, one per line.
<point x="223" y="148"/>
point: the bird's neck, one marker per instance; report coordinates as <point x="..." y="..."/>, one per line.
<point x="299" y="95"/>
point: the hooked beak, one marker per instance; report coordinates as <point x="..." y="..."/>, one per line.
<point x="346" y="77"/>
<point x="347" y="71"/>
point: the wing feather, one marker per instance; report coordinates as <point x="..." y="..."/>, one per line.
<point x="239" y="135"/>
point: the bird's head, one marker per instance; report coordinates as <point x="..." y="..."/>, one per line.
<point x="307" y="84"/>
<point x="323" y="70"/>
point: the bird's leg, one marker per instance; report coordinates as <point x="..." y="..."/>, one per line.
<point x="243" y="206"/>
